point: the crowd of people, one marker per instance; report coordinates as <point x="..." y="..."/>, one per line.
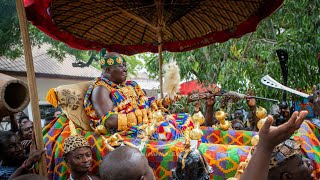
<point x="18" y="154"/>
<point x="276" y="156"/>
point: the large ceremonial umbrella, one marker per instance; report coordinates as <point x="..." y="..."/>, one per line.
<point x="135" y="26"/>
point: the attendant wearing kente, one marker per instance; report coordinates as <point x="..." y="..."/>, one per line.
<point x="78" y="156"/>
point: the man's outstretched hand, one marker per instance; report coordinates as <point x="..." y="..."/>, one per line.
<point x="271" y="136"/>
<point x="34" y="157"/>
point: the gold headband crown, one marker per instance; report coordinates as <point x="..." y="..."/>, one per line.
<point x="110" y="59"/>
<point x="74" y="142"/>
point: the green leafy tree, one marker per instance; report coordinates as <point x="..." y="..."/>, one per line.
<point x="239" y="64"/>
<point x="11" y="43"/>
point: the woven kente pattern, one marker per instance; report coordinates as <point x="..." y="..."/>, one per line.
<point x="315" y="129"/>
<point x="230" y="137"/>
<point x="310" y="145"/>
<point x="230" y="149"/>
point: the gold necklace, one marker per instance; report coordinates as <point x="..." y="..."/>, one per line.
<point x="131" y="95"/>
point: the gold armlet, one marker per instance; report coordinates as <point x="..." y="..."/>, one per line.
<point x="122" y="122"/>
<point x="160" y="105"/>
<point x="154" y="106"/>
<point x="138" y="114"/>
<point x="132" y="119"/>
<point x="145" y="116"/>
<point x="167" y="100"/>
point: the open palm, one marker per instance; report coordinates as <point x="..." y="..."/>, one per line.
<point x="271" y="136"/>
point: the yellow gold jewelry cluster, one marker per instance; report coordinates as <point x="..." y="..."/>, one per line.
<point x="198" y="119"/>
<point x="115" y="140"/>
<point x="125" y="121"/>
<point x="261" y="113"/>
<point x="122" y="122"/>
<point x="223" y="124"/>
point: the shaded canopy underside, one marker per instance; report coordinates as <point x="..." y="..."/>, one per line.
<point x="132" y="26"/>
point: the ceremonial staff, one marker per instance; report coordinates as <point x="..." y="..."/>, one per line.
<point x="32" y="84"/>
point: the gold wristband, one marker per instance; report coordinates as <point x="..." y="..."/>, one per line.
<point x="167" y="100"/>
<point x="138" y="114"/>
<point x="122" y="122"/>
<point x="154" y="106"/>
<point x="160" y="105"/>
<point x="144" y="116"/>
<point x="132" y="119"/>
<point x="159" y="102"/>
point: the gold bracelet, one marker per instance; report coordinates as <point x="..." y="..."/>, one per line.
<point x="167" y="100"/>
<point x="159" y="102"/>
<point x="138" y="114"/>
<point x="149" y="112"/>
<point x="132" y="119"/>
<point x="122" y="122"/>
<point x="144" y="116"/>
<point x="154" y="106"/>
<point x="160" y="105"/>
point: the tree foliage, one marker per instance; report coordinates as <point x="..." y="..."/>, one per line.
<point x="11" y="42"/>
<point x="239" y="64"/>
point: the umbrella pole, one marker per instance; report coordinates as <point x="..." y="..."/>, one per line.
<point x="32" y="84"/>
<point x="159" y="33"/>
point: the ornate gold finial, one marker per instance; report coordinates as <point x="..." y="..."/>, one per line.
<point x="198" y="119"/>
<point x="255" y="140"/>
<point x="223" y="124"/>
<point x="114" y="140"/>
<point x="261" y="113"/>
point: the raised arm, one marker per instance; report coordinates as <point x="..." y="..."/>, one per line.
<point x="210" y="119"/>
<point x="269" y="138"/>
